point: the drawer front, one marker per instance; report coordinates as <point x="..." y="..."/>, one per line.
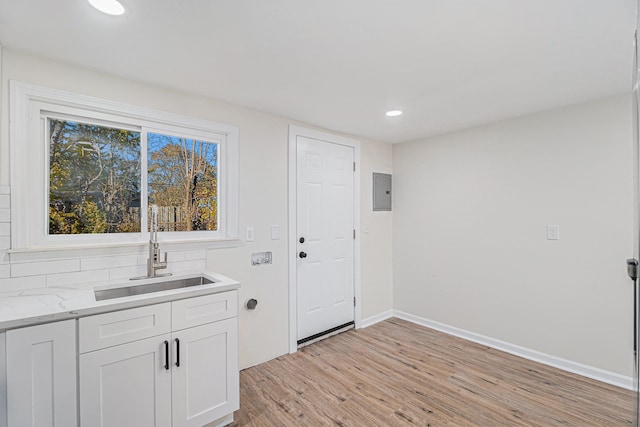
<point x="197" y="311"/>
<point x="119" y="327"/>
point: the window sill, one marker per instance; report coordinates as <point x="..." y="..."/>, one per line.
<point x="51" y="253"/>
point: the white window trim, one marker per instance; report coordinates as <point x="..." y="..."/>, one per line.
<point x="28" y="176"/>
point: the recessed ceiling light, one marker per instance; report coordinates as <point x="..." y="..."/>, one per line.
<point x="110" y="7"/>
<point x="393" y="113"/>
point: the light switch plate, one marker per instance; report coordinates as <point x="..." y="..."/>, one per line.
<point x="553" y="232"/>
<point x="249" y="237"/>
<point x="275" y="232"/>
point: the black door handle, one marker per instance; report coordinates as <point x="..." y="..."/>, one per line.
<point x="177" y="352"/>
<point x="302" y="255"/>
<point x="166" y="355"/>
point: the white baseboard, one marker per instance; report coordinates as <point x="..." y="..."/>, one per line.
<point x="372" y="320"/>
<point x="556" y="362"/>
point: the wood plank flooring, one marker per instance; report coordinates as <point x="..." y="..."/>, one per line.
<point x="396" y="373"/>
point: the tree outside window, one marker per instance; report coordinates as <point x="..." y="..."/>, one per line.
<point x="182" y="176"/>
<point x="95" y="180"/>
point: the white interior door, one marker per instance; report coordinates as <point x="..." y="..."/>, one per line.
<point x="325" y="236"/>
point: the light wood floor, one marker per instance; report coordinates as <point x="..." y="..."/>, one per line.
<point x="396" y="373"/>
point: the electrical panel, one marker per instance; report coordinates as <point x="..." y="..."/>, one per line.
<point x="381" y="191"/>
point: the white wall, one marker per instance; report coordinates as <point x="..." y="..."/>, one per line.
<point x="376" y="235"/>
<point x="262" y="199"/>
<point x="469" y="227"/>
<point x="469" y="223"/>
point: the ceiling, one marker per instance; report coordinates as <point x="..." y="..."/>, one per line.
<point x="340" y="64"/>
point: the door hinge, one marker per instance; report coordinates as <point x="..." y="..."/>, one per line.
<point x="632" y="268"/>
<point x="354" y="234"/>
<point x="354" y="301"/>
<point x="354" y="166"/>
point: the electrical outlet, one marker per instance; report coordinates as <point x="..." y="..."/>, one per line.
<point x="249" y="236"/>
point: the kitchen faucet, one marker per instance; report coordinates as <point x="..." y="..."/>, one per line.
<point x="153" y="262"/>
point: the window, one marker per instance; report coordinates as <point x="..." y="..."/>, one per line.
<point x="89" y="171"/>
<point x="183" y="182"/>
<point x="94" y="178"/>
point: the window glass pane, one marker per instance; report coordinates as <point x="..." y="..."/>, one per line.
<point x="183" y="177"/>
<point x="94" y="178"/>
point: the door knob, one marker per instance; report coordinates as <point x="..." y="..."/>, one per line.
<point x="301" y="240"/>
<point x="302" y="255"/>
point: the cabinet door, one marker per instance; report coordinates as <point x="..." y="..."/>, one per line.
<point x="41" y="375"/>
<point x="127" y="385"/>
<point x="206" y="382"/>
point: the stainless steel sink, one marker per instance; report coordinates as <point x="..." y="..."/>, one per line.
<point x="128" y="291"/>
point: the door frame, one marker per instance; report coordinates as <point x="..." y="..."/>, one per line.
<point x="294" y="132"/>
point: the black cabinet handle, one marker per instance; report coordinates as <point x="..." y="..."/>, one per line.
<point x="177" y="352"/>
<point x="302" y="255"/>
<point x="166" y="355"/>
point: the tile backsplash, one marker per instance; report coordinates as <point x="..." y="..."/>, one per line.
<point x="19" y="272"/>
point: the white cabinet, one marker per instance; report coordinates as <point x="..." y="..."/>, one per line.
<point x="41" y="375"/>
<point x="119" y="327"/>
<point x="126" y="385"/>
<point x="205" y="373"/>
<point x="172" y="364"/>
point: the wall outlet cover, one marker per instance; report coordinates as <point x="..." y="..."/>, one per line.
<point x="553" y="232"/>
<point x="260" y="258"/>
<point x="275" y="232"/>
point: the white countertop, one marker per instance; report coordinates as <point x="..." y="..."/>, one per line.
<point x="33" y="306"/>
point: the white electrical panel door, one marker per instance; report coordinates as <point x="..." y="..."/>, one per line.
<point x="325" y="236"/>
<point x="41" y="375"/>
